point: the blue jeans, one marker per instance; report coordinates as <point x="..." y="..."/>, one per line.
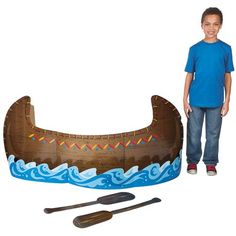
<point x="213" y="121"/>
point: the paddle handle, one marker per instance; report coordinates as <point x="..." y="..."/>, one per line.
<point x="51" y="210"/>
<point x="154" y="200"/>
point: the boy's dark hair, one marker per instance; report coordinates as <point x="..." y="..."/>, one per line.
<point x="212" y="11"/>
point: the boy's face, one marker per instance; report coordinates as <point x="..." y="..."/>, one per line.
<point x="211" y="26"/>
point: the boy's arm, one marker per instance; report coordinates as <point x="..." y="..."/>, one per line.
<point x="188" y="81"/>
<point x="228" y="82"/>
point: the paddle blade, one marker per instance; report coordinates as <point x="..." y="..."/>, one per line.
<point x="115" y="198"/>
<point x="92" y="219"/>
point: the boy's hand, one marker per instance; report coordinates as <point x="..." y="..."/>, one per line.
<point x="187" y="109"/>
<point x="225" y="109"/>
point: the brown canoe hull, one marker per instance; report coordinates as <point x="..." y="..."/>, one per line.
<point x="158" y="143"/>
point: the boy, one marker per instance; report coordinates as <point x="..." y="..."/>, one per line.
<point x="208" y="76"/>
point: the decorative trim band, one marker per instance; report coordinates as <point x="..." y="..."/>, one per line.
<point x="94" y="147"/>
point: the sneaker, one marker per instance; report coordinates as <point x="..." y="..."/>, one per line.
<point x="211" y="170"/>
<point x="192" y="168"/>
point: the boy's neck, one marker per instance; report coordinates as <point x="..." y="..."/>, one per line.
<point x="211" y="40"/>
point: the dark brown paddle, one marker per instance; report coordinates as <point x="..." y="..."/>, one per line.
<point x="101" y="216"/>
<point x="106" y="200"/>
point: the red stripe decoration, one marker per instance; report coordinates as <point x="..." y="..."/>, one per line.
<point x="77" y="145"/>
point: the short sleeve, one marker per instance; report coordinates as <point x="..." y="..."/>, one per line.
<point x="190" y="65"/>
<point x="229" y="67"/>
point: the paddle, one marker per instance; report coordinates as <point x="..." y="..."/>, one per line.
<point x="107" y="200"/>
<point x="101" y="216"/>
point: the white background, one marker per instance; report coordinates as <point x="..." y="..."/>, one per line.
<point x="91" y="67"/>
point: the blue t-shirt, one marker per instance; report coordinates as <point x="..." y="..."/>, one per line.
<point x="208" y="62"/>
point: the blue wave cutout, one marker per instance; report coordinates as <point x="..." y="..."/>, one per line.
<point x="112" y="179"/>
